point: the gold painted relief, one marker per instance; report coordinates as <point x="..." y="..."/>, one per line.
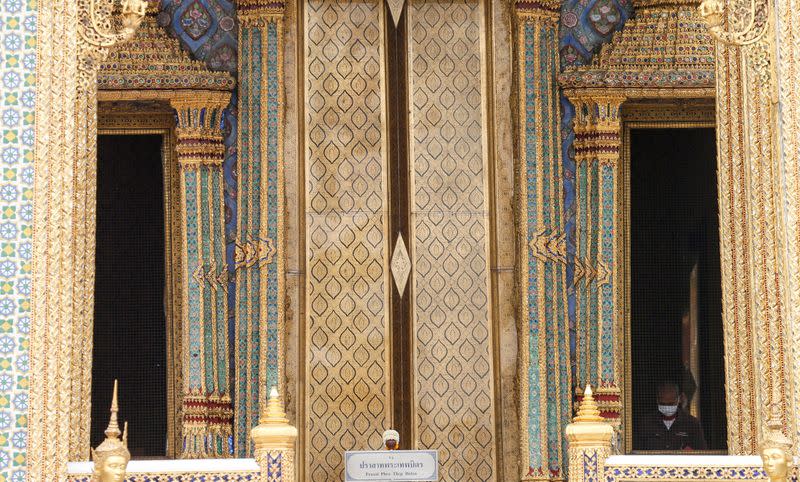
<point x="452" y="330"/>
<point x="735" y="263"/>
<point x="788" y="86"/>
<point x="347" y="403"/>
<point x="742" y="256"/>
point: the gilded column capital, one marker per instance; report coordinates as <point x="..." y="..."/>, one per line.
<point x="595" y="108"/>
<point x="200" y="108"/>
<point x="199" y="131"/>
<point x="597" y="126"/>
<point x="254" y="13"/>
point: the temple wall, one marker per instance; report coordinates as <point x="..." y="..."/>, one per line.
<point x="338" y="357"/>
<point x="452" y="322"/>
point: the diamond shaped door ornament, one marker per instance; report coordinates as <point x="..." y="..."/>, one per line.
<point x="396" y="9"/>
<point x="401" y="265"/>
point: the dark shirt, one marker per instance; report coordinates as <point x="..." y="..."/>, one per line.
<point x="685" y="433"/>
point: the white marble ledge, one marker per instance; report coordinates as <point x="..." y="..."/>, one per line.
<point x="684" y="461"/>
<point x="174" y="466"/>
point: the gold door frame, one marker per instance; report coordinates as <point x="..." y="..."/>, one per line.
<point x="674" y="114"/>
<point x="123" y="119"/>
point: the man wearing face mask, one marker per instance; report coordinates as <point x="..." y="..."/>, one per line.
<point x="670" y="428"/>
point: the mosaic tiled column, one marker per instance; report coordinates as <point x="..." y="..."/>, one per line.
<point x="259" y="243"/>
<point x="599" y="347"/>
<point x="545" y="376"/>
<point x="206" y="404"/>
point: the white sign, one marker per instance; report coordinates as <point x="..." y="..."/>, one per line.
<point x="391" y="465"/>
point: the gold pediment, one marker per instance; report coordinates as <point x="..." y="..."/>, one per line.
<point x="665" y="45"/>
<point x="154" y="60"/>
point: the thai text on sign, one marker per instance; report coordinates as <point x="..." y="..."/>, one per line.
<point x="391" y="465"/>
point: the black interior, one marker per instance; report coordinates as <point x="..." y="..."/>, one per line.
<point x="129" y="318"/>
<point x="673" y="226"/>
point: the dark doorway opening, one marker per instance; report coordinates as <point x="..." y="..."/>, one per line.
<point x="675" y="287"/>
<point x="129" y="319"/>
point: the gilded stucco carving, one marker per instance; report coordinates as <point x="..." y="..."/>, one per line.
<point x="49" y="424"/>
<point x="101" y="25"/>
<point x="787" y="31"/>
<point x="153" y="60"/>
<point x="758" y="220"/>
<point x="347" y="394"/>
<point x="451" y="303"/>
<point x="735" y="262"/>
<point x="73" y="37"/>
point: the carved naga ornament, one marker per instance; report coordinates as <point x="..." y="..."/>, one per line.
<point x="758" y="15"/>
<point x="103" y="24"/>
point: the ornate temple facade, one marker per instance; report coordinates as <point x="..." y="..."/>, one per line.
<point x="406" y="214"/>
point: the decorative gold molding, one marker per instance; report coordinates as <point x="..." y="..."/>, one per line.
<point x="257" y="13"/>
<point x="758" y="235"/>
<point x="71" y="39"/>
<point x="124" y="118"/>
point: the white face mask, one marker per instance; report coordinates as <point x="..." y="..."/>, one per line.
<point x="668" y="410"/>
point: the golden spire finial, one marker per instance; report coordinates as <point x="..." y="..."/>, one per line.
<point x="273" y="430"/>
<point x="113" y="425"/>
<point x="274" y="412"/>
<point x="588" y="410"/>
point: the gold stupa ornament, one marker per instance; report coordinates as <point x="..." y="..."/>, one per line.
<point x="776" y="449"/>
<point x="111" y="457"/>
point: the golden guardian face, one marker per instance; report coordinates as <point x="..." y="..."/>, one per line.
<point x="775" y="462"/>
<point x="112" y="469"/>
